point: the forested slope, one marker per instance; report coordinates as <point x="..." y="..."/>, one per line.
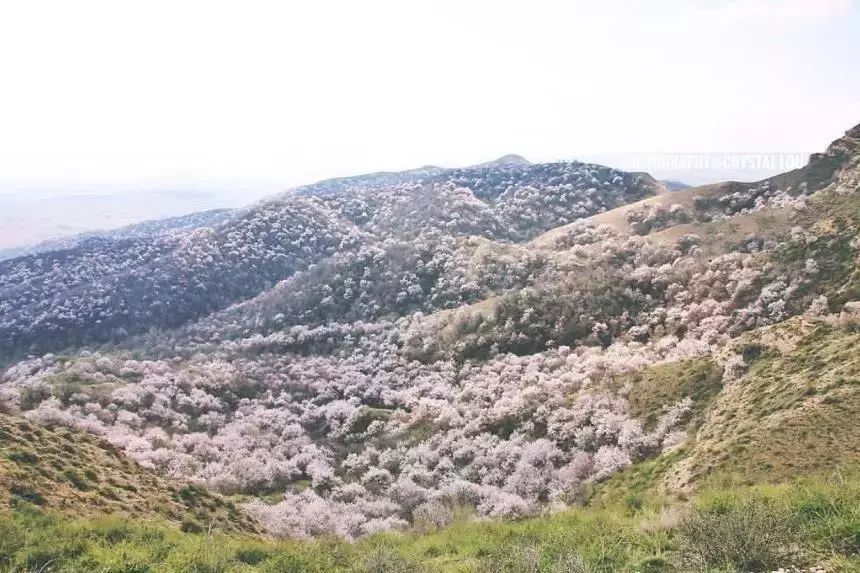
<point x="375" y="353"/>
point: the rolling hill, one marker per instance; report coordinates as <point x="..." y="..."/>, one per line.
<point x="396" y="351"/>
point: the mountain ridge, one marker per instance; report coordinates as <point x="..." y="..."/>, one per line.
<point x="401" y="350"/>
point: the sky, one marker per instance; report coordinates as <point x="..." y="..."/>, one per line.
<point x="252" y="97"/>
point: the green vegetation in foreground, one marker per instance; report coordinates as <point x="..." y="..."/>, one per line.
<point x="815" y="522"/>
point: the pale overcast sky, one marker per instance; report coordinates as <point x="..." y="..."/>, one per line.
<point x="252" y="95"/>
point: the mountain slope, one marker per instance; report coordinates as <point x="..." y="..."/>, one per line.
<point x="79" y="474"/>
<point x="146" y="229"/>
<point x="101" y="291"/>
<point x="791" y="411"/>
<point x="835" y="168"/>
<point x="407" y="351"/>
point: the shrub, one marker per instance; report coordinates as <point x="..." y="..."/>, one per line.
<point x="22" y="457"/>
<point x="287" y="563"/>
<point x="749" y="535"/>
<point x="570" y="563"/>
<point x="76" y="479"/>
<point x="633" y="503"/>
<point x="846" y="538"/>
<point x="189" y="525"/>
<point x="386" y="560"/>
<point x="517" y="559"/>
<point x="251" y="555"/>
<point x="11" y="539"/>
<point x="433" y="515"/>
<point x="23" y="493"/>
<point x="532" y="559"/>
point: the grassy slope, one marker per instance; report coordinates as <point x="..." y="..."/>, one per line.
<point x="790" y="418"/>
<point x="80" y="474"/>
<point x="616" y="219"/>
<point x="815" y="522"/>
<point x="795" y="412"/>
<point x="650" y="391"/>
<point x="793" y="415"/>
<point x="837" y="168"/>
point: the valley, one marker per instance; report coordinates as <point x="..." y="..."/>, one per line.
<point x="406" y="371"/>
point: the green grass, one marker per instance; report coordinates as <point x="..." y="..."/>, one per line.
<point x="793" y="414"/>
<point x="816" y="521"/>
<point x="639" y="481"/>
<point x="651" y="390"/>
<point x="80" y="474"/>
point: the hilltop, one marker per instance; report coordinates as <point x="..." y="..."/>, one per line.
<point x="105" y="290"/>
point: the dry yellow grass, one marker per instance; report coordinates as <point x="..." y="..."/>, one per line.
<point x="616" y="219"/>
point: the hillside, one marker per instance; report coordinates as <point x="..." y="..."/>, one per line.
<point x="81" y="475"/>
<point x="105" y="290"/>
<point x="146" y="229"/>
<point x="791" y="409"/>
<point x="810" y="526"/>
<point x="50" y="218"/>
<point x="776" y="403"/>
<point x="380" y="352"/>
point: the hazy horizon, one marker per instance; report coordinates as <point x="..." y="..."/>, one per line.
<point x="690" y="168"/>
<point x="107" y="106"/>
<point x="106" y="98"/>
